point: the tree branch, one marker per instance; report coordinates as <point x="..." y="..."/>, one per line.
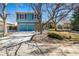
<point x="34" y="9"/>
<point x="64" y="16"/>
<point x="17" y="49"/>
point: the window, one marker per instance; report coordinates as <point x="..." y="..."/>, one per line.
<point x="22" y="16"/>
<point x="35" y="16"/>
<point x="25" y="16"/>
<point x="17" y="16"/>
<point x="29" y="16"/>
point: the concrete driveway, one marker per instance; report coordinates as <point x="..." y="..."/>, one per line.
<point x="15" y="38"/>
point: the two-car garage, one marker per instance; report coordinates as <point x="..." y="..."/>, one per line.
<point x="26" y="26"/>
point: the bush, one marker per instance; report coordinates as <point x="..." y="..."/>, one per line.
<point x="59" y="26"/>
<point x="75" y="28"/>
<point x="54" y="35"/>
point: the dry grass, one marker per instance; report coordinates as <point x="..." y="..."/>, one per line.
<point x="75" y="36"/>
<point x="65" y="34"/>
<point x="1" y="34"/>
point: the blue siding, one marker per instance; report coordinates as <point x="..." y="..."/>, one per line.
<point x="23" y="28"/>
<point x="26" y="27"/>
<point x="25" y="23"/>
<point x="29" y="17"/>
<point x="30" y="27"/>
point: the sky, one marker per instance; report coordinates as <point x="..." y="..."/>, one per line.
<point x="12" y="8"/>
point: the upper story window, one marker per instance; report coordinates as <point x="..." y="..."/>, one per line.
<point x="17" y="16"/>
<point x="29" y="16"/>
<point x="20" y="16"/>
<point x="26" y="16"/>
<point x="35" y="16"/>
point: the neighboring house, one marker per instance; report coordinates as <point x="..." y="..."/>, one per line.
<point x="10" y="27"/>
<point x="66" y="26"/>
<point x="26" y="21"/>
<point x="1" y="25"/>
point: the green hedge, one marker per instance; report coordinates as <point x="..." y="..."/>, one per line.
<point x="54" y="35"/>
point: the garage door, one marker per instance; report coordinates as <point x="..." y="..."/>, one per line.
<point x="26" y="27"/>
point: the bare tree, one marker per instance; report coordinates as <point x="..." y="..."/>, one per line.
<point x="57" y="12"/>
<point x="3" y="15"/>
<point x="37" y="8"/>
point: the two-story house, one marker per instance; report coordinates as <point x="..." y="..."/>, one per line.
<point x="26" y="21"/>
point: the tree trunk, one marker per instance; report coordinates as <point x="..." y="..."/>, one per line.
<point x="4" y="18"/>
<point x="40" y="28"/>
<point x="55" y="27"/>
<point x="40" y="17"/>
<point x="5" y="28"/>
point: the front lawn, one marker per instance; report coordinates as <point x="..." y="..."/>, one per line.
<point x="67" y="35"/>
<point x="1" y="34"/>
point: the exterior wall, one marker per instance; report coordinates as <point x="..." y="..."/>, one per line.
<point x="26" y="21"/>
<point x="8" y="25"/>
<point x="66" y="26"/>
<point x="25" y="17"/>
<point x="26" y="26"/>
<point x="1" y="25"/>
